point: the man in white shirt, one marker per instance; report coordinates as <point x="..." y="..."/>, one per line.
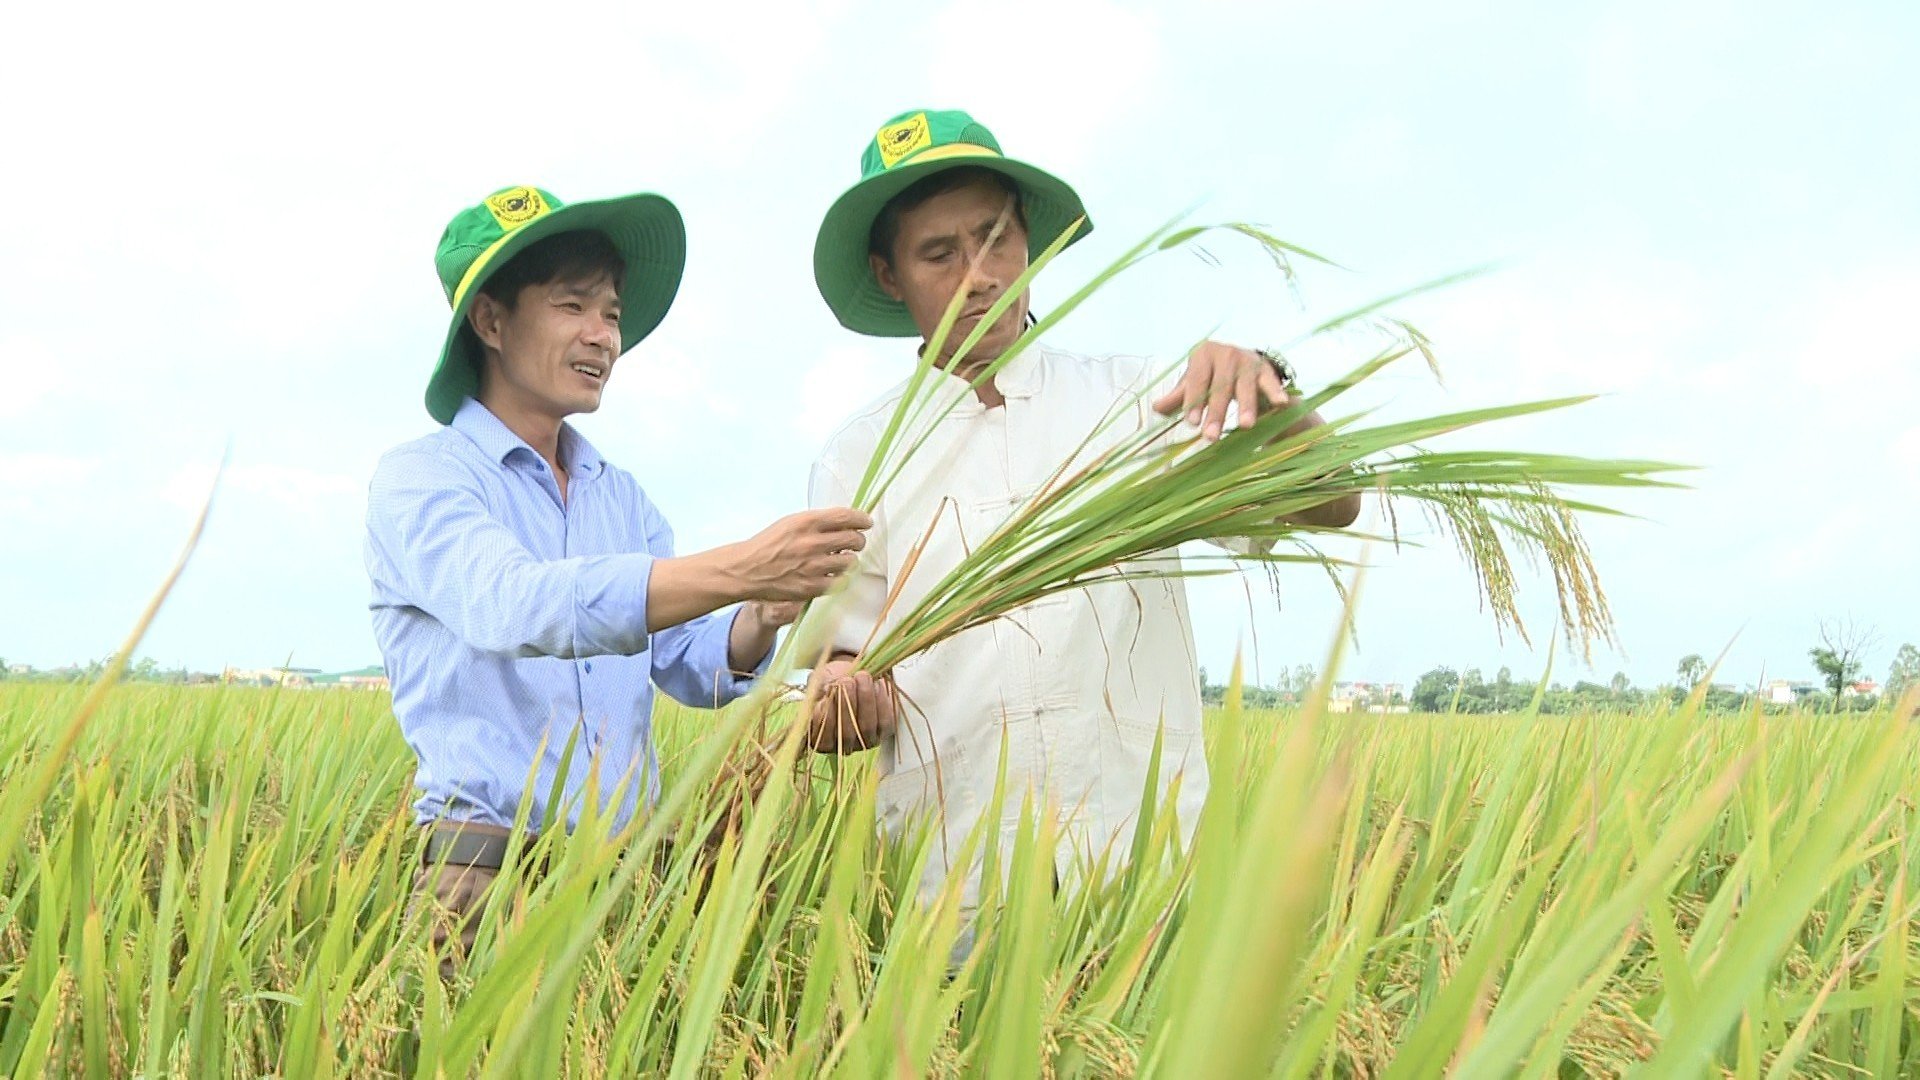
<point x="1078" y="685"/>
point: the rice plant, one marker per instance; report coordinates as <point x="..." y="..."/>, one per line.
<point x="219" y="883"/>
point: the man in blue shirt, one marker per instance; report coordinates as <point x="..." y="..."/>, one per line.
<point x="526" y="594"/>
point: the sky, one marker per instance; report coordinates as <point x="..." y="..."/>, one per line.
<point x="221" y="234"/>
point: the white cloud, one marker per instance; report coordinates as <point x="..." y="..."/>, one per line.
<point x="1077" y="67"/>
<point x="663" y="397"/>
<point x="265" y="275"/>
<point x="309" y="492"/>
<point x="1660" y="80"/>
<point x="1529" y="331"/>
<point x="31" y="376"/>
<point x="34" y="484"/>
<point x="1853" y="344"/>
<point x="1373" y="154"/>
<point x="1905" y="452"/>
<point x="845" y="378"/>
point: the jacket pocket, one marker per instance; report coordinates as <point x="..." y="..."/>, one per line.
<point x="1126" y="758"/>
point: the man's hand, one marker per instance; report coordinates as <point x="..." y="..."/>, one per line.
<point x="797" y="558"/>
<point x="802" y="555"/>
<point x="754" y="629"/>
<point x="848" y="711"/>
<point x="1218" y="374"/>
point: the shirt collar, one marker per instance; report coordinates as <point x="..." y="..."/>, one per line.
<point x="1020" y="378"/>
<point x="498" y="441"/>
<point x="582" y="459"/>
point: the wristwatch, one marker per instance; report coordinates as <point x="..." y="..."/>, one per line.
<point x="1281" y="367"/>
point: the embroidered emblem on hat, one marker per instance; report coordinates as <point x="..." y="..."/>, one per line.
<point x="515" y="207"/>
<point x="896" y="141"/>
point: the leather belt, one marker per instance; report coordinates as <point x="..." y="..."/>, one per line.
<point x="457" y="844"/>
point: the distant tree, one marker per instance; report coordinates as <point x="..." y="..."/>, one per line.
<point x="1508" y="694"/>
<point x="147" y="670"/>
<point x="3" y="667"/>
<point x="1433" y="692"/>
<point x="1693" y="668"/>
<point x="1211" y="694"/>
<point x="1839" y="656"/>
<point x="1476" y="693"/>
<point x="1620" y="684"/>
<point x="1724" y="700"/>
<point x="1905" y="671"/>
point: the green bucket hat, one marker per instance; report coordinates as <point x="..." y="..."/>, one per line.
<point x="907" y="148"/>
<point x="645" y="229"/>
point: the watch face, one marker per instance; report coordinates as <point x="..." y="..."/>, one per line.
<point x="1281" y="366"/>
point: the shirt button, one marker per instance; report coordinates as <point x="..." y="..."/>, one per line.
<point x="589" y="667"/>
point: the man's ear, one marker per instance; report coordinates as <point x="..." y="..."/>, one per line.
<point x="883" y="273"/>
<point x="486" y="316"/>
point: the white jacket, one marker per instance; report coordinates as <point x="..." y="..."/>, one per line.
<point x="1077" y="684"/>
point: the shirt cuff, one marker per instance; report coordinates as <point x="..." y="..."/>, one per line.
<point x="733" y="686"/>
<point x="1244" y="545"/>
<point x="610" y="605"/>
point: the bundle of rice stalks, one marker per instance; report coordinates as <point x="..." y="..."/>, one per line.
<point x="1151" y="493"/>
<point x="1156" y="488"/>
<point x="1114" y="516"/>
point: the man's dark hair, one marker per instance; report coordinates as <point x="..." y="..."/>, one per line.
<point x="886" y="227"/>
<point x="580" y="256"/>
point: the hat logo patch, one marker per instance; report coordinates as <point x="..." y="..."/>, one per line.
<point x="515" y="207"/>
<point x="896" y="141"/>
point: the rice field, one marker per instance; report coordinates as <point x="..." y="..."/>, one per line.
<point x="216" y="883"/>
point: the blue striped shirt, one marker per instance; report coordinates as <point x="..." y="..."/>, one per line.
<point x="508" y="617"/>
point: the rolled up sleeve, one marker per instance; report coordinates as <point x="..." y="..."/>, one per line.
<point x="691" y="661"/>
<point x="691" y="664"/>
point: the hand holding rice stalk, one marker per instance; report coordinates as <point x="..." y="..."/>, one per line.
<point x="1154" y="490"/>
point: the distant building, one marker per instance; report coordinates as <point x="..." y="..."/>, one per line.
<point x="1863" y="688"/>
<point x="19" y="669"/>
<point x="1785" y="691"/>
<point x="1372" y="697"/>
<point x="278" y="676"/>
<point x="367" y="678"/>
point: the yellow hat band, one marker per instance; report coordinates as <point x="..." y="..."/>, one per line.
<point x="951" y="150"/>
<point x="473" y="272"/>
